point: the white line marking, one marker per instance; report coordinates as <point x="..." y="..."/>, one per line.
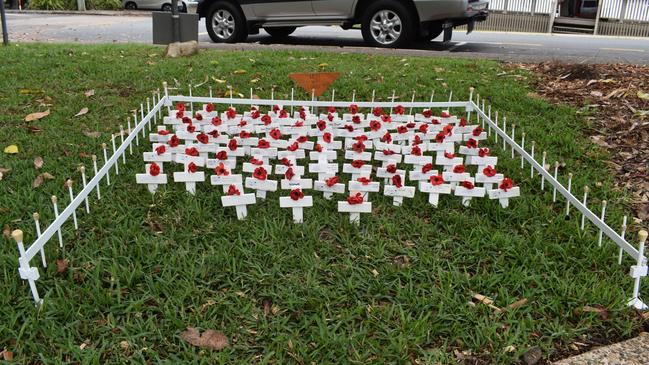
<point x="622" y="49"/>
<point x="456" y="46"/>
<point x="511" y="44"/>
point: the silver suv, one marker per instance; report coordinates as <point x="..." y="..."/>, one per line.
<point x="384" y="23"/>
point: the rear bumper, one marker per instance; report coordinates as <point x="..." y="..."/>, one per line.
<point x="443" y="10"/>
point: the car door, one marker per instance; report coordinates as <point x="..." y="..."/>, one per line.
<point x="333" y="9"/>
<point x="280" y="9"/>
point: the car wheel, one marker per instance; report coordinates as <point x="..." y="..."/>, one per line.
<point x="387" y="23"/>
<point x="280" y="32"/>
<point x="225" y="23"/>
<point x="130" y="6"/>
<point x="166" y="7"/>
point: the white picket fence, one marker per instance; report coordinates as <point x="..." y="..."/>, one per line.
<point x="473" y="106"/>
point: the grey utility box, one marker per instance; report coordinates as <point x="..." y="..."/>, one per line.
<point x="163" y="27"/>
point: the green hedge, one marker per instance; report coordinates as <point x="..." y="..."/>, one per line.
<point x="72" y="4"/>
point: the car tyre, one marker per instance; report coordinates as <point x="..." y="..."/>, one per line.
<point x="166" y="7"/>
<point x="226" y="23"/>
<point x="388" y="24"/>
<point x="280" y="32"/>
<point x="130" y="6"/>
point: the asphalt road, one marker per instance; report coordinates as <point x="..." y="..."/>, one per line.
<point x="492" y="45"/>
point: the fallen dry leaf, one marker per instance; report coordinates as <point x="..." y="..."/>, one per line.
<point x="37" y="116"/>
<point x="89" y="93"/>
<point x="601" y="311"/>
<point x="210" y="339"/>
<point x="41" y="178"/>
<point x="12" y="149"/>
<point x="1" y="176"/>
<point x="92" y="134"/>
<point x="81" y="112"/>
<point x="643" y="95"/>
<point x="518" y="303"/>
<point x="7" y="355"/>
<point x="374" y="272"/>
<point x="33" y="129"/>
<point x="38" y="162"/>
<point x="239" y="72"/>
<point x="62" y="265"/>
<point x="6" y="232"/>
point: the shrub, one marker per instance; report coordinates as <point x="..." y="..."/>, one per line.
<point x="48" y="4"/>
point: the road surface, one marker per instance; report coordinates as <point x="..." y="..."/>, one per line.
<point x="491" y="45"/>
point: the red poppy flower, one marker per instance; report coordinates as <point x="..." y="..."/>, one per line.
<point x="154" y="169"/>
<point x="299" y="123"/>
<point x="489" y="171"/>
<point x="458" y="169"/>
<point x="209" y="108"/>
<point x="174" y="141"/>
<point x="462" y="122"/>
<point x="467" y="184"/>
<point x="232" y="144"/>
<point x="375" y="125"/>
<point x="427" y="168"/>
<point x="266" y="119"/>
<point x="321" y="124"/>
<point x="326" y="137"/>
<point x="436" y="180"/>
<point x="302" y="115"/>
<point x="357" y="164"/>
<point x="355" y="199"/>
<point x="198" y="116"/>
<point x="163" y="132"/>
<point x="386" y="118"/>
<point x="203" y="138"/>
<point x="427" y="113"/>
<point x="410" y="125"/>
<point x="283" y="114"/>
<point x="349" y="127"/>
<point x="221" y="170"/>
<point x="449" y="155"/>
<point x="260" y="173"/>
<point x="179" y="114"/>
<point x="356" y="119"/>
<point x="363" y="180"/>
<point x="402" y="129"/>
<point x="301" y="109"/>
<point x="377" y="111"/>
<point x="296" y="194"/>
<point x="191" y="151"/>
<point x="387" y="138"/>
<point x="399" y="110"/>
<point x="191" y="128"/>
<point x="192" y="167"/>
<point x="417" y="140"/>
<point x="445" y="114"/>
<point x="396" y="181"/>
<point x="472" y="143"/>
<point x="276" y="108"/>
<point x="289" y="174"/>
<point x="353" y="109"/>
<point x="330" y="117"/>
<point x="242" y="123"/>
<point x="477" y="131"/>
<point x="317" y="147"/>
<point x="231" y="113"/>
<point x="216" y="121"/>
<point x="358" y="147"/>
<point x="255" y="114"/>
<point x="361" y="138"/>
<point x="222" y="155"/>
<point x="214" y="133"/>
<point x="439" y="138"/>
<point x="332" y="181"/>
<point x="275" y="133"/>
<point x="286" y="162"/>
<point x="180" y="107"/>
<point x="423" y="128"/>
<point x="244" y="134"/>
<point x="448" y="129"/>
<point x="302" y="139"/>
<point x="506" y="184"/>
<point x="331" y="109"/>
<point x="391" y="168"/>
<point x="435" y="121"/>
<point x="257" y="162"/>
<point x="416" y="151"/>
<point x="482" y="152"/>
<point x="161" y="149"/>
<point x="293" y="147"/>
<point x="187" y="120"/>
<point x="388" y="152"/>
<point x="232" y="190"/>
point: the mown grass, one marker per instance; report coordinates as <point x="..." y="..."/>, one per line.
<point x="281" y="292"/>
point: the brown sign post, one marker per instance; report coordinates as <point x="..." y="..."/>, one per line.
<point x="315" y="82"/>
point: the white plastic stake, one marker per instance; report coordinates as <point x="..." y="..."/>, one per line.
<point x="121" y="135"/>
<point x="211" y="92"/>
<point x="82" y="170"/>
<point x="556" y="171"/>
<point x="495" y="134"/>
<point x="412" y="101"/>
<point x="68" y="183"/>
<point x="56" y="215"/>
<point x="353" y="95"/>
<point x="523" y="147"/>
<point x="26" y="272"/>
<point x="373" y="94"/>
<point x="36" y="217"/>
<point x="112" y="139"/>
<point x="504" y="131"/>
<point x="599" y="239"/>
<point x="583" y="217"/>
<point x="450" y="96"/>
<point x="148" y="110"/>
<point x="532" y="154"/>
<point x="191" y="103"/>
<point x="569" y="187"/>
<point x="103" y="147"/>
<point x="637" y="271"/>
<point x="622" y="234"/>
<point x="513" y="139"/>
<point x="94" y="166"/>
<point x="543" y="166"/>
<point x="393" y="96"/>
<point x="292" y="93"/>
<point x="130" y="145"/>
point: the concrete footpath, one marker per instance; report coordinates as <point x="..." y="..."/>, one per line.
<point x="630" y="352"/>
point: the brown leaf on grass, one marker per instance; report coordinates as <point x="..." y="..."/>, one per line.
<point x="7" y="355"/>
<point x="81" y="112"/>
<point x="601" y="311"/>
<point x="41" y="178"/>
<point x="155" y="226"/>
<point x="518" y="303"/>
<point x="89" y="93"/>
<point x="38" y="162"/>
<point x="6" y="232"/>
<point x="37" y="116"/>
<point x="210" y="339"/>
<point x="62" y="265"/>
<point x="92" y="134"/>
<point x="33" y="129"/>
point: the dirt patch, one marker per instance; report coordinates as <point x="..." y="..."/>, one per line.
<point x="615" y="99"/>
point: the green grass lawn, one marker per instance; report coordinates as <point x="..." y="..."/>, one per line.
<point x="286" y="293"/>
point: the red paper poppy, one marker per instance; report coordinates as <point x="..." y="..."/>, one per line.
<point x="358" y="147"/>
<point x="427" y="168"/>
<point x="326" y="137"/>
<point x="448" y="129"/>
<point x="289" y="174"/>
<point x="222" y="155"/>
<point x="296" y="194"/>
<point x="231" y="113"/>
<point x="357" y="164"/>
<point x="363" y="180"/>
<point x="356" y="119"/>
<point x="458" y="169"/>
<point x="198" y="116"/>
<point x="180" y="114"/>
<point x="387" y="138"/>
<point x="299" y="123"/>
<point x="154" y="169"/>
<point x="242" y="123"/>
<point x="283" y="114"/>
<point x="435" y="121"/>
<point x="399" y="110"/>
<point x="192" y="168"/>
<point x="209" y="108"/>
<point x="391" y="168"/>
<point x="396" y="181"/>
<point x="462" y="122"/>
<point x="483" y="152"/>
<point x="293" y="147"/>
<point x="187" y="120"/>
<point x="174" y="141"/>
<point x="467" y="184"/>
<point x="191" y="151"/>
<point x="445" y="114"/>
<point x="301" y="109"/>
<point x="321" y="124"/>
<point x="331" y="109"/>
<point x="214" y="133"/>
<point x="477" y="131"/>
<point x="349" y="127"/>
<point x="472" y="143"/>
<point x="489" y="171"/>
<point x="260" y="173"/>
<point x="416" y="140"/>
<point x="203" y="138"/>
<point x="388" y="152"/>
<point x="355" y="199"/>
<point x="191" y="128"/>
<point x="180" y="107"/>
<point x="361" y="138"/>
<point x="402" y="129"/>
<point x="244" y="134"/>
<point x="161" y="149"/>
<point x="330" y="117"/>
<point x="410" y="125"/>
<point x="386" y="118"/>
<point x="266" y="119"/>
<point x="332" y="181"/>
<point x="506" y="184"/>
<point x="449" y="155"/>
<point x="275" y="133"/>
<point x="257" y="162"/>
<point x="423" y="128"/>
<point x="439" y="138"/>
<point x="427" y="113"/>
<point x="232" y="190"/>
<point x="302" y="114"/>
<point x="353" y="109"/>
<point x="415" y="150"/>
<point x="221" y="170"/>
<point x="163" y="132"/>
<point x="276" y="108"/>
<point x="436" y="180"/>
<point x="286" y="162"/>
<point x="377" y="111"/>
<point x="317" y="147"/>
<point x="375" y="125"/>
<point x="216" y="121"/>
<point x="255" y="114"/>
<point x="232" y="144"/>
<point x="302" y="139"/>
